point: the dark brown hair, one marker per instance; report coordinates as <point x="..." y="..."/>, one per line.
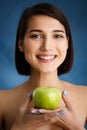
<point x="45" y="9"/>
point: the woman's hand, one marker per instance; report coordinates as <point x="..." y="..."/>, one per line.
<point x="27" y="120"/>
<point x="67" y="117"/>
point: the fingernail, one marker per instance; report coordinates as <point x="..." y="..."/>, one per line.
<point x="30" y="95"/>
<point x="56" y="114"/>
<point x="40" y="111"/>
<point x="33" y="111"/>
<point x="63" y="112"/>
<point x="65" y="93"/>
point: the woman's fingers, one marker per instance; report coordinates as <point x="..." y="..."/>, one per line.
<point x="24" y="106"/>
<point x="44" y="111"/>
<point x="23" y="109"/>
<point x="67" y="100"/>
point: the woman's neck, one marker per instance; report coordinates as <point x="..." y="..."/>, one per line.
<point x="44" y="79"/>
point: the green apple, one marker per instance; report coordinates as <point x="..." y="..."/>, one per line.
<point x="47" y="97"/>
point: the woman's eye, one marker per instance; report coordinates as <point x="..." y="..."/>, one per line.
<point x="36" y="36"/>
<point x="58" y="36"/>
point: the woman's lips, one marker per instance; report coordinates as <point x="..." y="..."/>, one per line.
<point x="46" y="58"/>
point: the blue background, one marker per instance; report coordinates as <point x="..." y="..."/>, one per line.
<point x="10" y="11"/>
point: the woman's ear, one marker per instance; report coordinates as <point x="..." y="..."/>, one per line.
<point x="21" y="46"/>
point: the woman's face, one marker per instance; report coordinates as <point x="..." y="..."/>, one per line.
<point x="45" y="43"/>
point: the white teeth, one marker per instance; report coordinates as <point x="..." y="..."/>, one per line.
<point x="46" y="57"/>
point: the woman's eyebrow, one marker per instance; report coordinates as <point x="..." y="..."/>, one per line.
<point x="38" y="30"/>
<point x="34" y="30"/>
<point x="59" y="30"/>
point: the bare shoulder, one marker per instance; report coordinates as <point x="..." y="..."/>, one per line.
<point x="81" y="96"/>
<point x="9" y="96"/>
<point x="7" y="93"/>
<point x="13" y="96"/>
<point x="5" y="97"/>
<point x="75" y="87"/>
<point x="80" y="89"/>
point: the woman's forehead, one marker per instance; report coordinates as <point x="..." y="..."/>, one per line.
<point x="43" y="22"/>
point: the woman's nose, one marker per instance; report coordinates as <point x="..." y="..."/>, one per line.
<point x="46" y="44"/>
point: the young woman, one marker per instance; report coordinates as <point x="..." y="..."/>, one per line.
<point x="44" y="50"/>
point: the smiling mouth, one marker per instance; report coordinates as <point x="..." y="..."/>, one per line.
<point x="46" y="58"/>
